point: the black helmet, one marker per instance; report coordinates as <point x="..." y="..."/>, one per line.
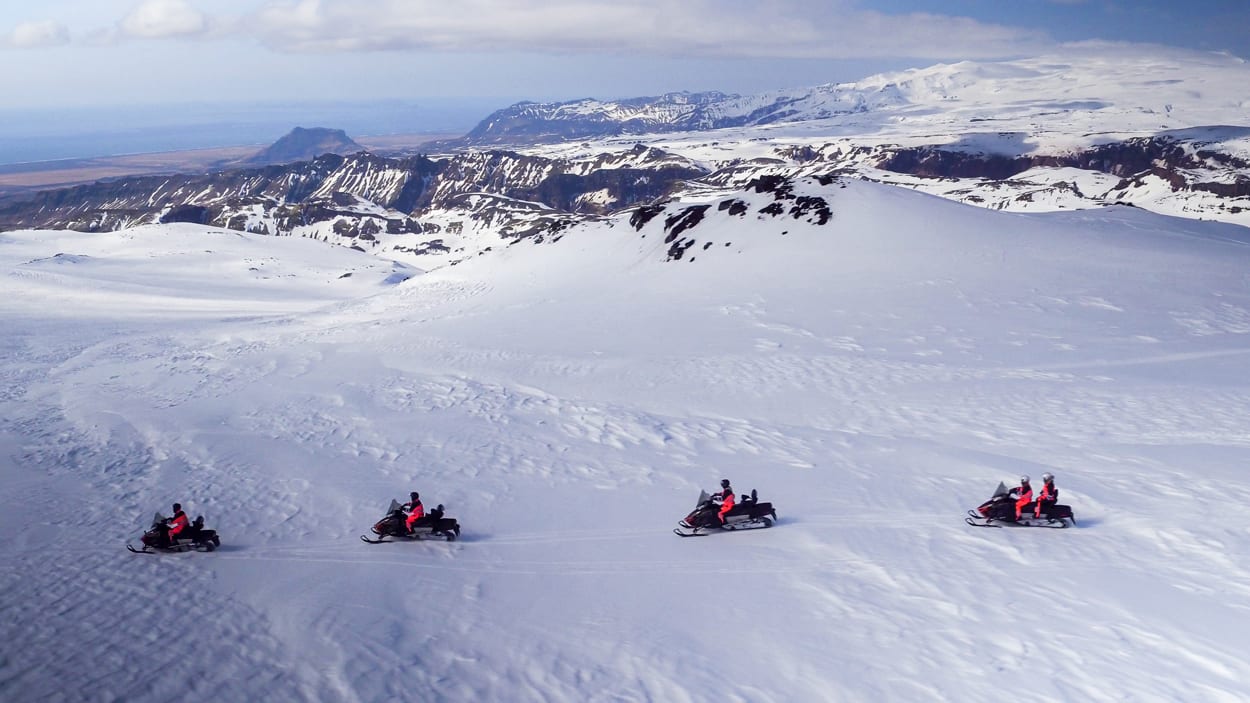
<point x="177" y="507"/>
<point x="724" y="483"/>
<point x="415" y="495"/>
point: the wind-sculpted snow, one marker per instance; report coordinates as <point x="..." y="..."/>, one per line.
<point x="873" y="376"/>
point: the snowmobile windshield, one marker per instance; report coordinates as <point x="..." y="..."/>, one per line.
<point x="1001" y="490"/>
<point x="158" y="518"/>
<point x="703" y="498"/>
<point x="394" y="506"/>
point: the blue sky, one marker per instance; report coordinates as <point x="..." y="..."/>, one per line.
<point x="101" y="52"/>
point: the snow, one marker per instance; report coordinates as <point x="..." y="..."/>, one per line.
<point x="874" y="378"/>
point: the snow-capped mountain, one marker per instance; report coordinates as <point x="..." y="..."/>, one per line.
<point x="528" y="122"/>
<point x="1165" y="131"/>
<point x="1088" y="96"/>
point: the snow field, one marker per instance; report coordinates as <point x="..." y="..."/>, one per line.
<point x="873" y="378"/>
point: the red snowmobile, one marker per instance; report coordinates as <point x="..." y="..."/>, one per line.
<point x="433" y="524"/>
<point x="747" y="514"/>
<point x="194" y="537"/>
<point x="1000" y="510"/>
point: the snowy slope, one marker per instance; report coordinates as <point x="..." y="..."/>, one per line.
<point x="874" y="377"/>
<point x="1049" y="108"/>
<point x="1090" y="94"/>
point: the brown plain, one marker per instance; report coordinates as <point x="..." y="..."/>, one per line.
<point x="44" y="175"/>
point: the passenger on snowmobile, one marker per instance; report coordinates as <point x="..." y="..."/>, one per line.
<point x="1048" y="497"/>
<point x="415" y="510"/>
<point x="1023" y="495"/>
<point x="175" y="525"/>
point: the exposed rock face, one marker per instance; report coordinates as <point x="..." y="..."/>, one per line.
<point x="770" y="202"/>
<point x="302" y="144"/>
<point x="298" y="193"/>
<point x="362" y="198"/>
<point x="1180" y="164"/>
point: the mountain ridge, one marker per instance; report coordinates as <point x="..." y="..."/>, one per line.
<point x="1027" y="135"/>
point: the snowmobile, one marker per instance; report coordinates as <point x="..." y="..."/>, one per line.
<point x="1000" y="510"/>
<point x="747" y="514"/>
<point x="433" y="524"/>
<point x="195" y="536"/>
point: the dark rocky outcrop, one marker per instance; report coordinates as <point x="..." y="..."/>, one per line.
<point x="1170" y="159"/>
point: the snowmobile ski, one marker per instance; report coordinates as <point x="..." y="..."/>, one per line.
<point x="694" y="532"/>
<point x="1024" y="521"/>
<point x="374" y="541"/>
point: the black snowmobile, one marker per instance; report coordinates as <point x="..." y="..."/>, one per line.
<point x="432" y="524"/>
<point x="194" y="537"/>
<point x="1000" y="510"/>
<point x="747" y="514"/>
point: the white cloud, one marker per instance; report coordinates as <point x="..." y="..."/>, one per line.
<point x="158" y="19"/>
<point x="30" y="35"/>
<point x="721" y="28"/>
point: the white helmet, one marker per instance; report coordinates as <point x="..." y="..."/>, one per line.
<point x="1048" y="477"/>
<point x="1024" y="479"/>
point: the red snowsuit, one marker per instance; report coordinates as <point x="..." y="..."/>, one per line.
<point x="417" y="512"/>
<point x="727" y="503"/>
<point x="1049" y="495"/>
<point x="1024" y="496"/>
<point x="176" y="524"/>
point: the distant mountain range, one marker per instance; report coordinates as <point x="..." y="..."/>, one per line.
<point x="1164" y="132"/>
<point x="534" y="123"/>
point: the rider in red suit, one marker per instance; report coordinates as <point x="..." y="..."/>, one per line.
<point x="726" y="498"/>
<point x="415" y="509"/>
<point x="1023" y="493"/>
<point x="177" y="523"/>
<point x="1048" y="496"/>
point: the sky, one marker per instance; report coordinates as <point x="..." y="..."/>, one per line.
<point x="92" y="53"/>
